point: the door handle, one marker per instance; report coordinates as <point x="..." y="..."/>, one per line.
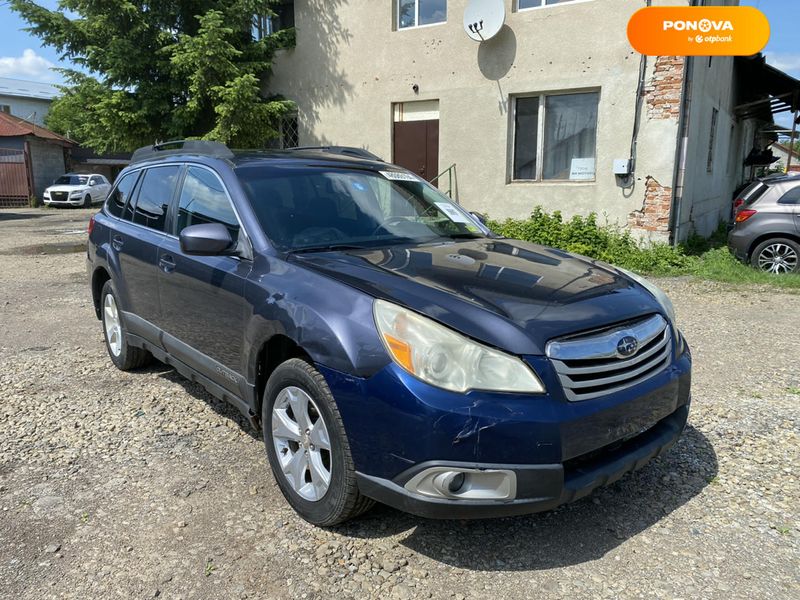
<point x="117" y="242"/>
<point x="166" y="263"/>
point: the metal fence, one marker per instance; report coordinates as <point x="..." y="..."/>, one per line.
<point x="15" y="180"/>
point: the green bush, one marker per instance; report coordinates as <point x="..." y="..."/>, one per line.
<point x="708" y="258"/>
<point x="583" y="235"/>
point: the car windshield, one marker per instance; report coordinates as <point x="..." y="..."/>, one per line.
<point x="311" y="208"/>
<point x="72" y="180"/>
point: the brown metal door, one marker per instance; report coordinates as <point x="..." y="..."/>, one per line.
<point x="15" y="190"/>
<point x="416" y="147"/>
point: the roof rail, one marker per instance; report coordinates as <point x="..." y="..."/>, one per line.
<point x="346" y="150"/>
<point x="204" y="147"/>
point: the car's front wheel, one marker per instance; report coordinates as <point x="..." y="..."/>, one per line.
<point x="307" y="446"/>
<point x="777" y="255"/>
<point x="87" y="201"/>
<point x="123" y="355"/>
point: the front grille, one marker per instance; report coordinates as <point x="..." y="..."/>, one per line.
<point x="591" y="365"/>
<point x="59" y="196"/>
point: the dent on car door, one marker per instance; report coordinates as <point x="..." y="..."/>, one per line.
<point x="202" y="297"/>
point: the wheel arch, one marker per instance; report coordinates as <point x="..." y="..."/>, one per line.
<point x="274" y="351"/>
<point x="99" y="277"/>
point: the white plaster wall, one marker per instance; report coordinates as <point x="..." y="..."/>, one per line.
<point x="349" y="66"/>
<point x="30" y="109"/>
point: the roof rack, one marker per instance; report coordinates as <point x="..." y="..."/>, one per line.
<point x="204" y="147"/>
<point x="346" y="150"/>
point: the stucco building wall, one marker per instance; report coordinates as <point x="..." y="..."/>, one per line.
<point x="30" y="109"/>
<point x="350" y="66"/>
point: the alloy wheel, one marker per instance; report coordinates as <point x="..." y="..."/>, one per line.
<point x="302" y="443"/>
<point x="778" y="258"/>
<point x="112" y="324"/>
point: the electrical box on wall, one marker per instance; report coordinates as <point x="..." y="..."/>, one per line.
<point x="622" y="166"/>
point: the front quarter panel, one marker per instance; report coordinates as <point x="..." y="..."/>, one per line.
<point x="329" y="320"/>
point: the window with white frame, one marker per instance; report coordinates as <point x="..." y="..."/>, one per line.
<point x="555" y="137"/>
<point x="416" y="13"/>
<point x="523" y="4"/>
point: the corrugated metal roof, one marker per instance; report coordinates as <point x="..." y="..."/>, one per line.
<point x="27" y="89"/>
<point x="11" y="126"/>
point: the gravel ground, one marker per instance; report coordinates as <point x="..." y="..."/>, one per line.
<point x="140" y="485"/>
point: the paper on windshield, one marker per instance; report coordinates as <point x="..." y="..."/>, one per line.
<point x="399" y="176"/>
<point x="451" y="211"/>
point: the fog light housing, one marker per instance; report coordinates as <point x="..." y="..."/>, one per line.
<point x="458" y="483"/>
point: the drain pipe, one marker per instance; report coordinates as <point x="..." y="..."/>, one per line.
<point x="681" y="152"/>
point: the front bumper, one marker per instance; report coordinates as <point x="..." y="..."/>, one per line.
<point x="559" y="450"/>
<point x="67" y="202"/>
<point x="539" y="487"/>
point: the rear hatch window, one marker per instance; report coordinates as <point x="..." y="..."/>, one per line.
<point x="754" y="192"/>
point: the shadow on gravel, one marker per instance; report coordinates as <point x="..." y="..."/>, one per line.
<point x="571" y="534"/>
<point x="195" y="390"/>
<point x="12" y="216"/>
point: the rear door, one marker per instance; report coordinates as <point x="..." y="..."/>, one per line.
<point x="136" y="239"/>
<point x="99" y="187"/>
<point x="202" y="297"/>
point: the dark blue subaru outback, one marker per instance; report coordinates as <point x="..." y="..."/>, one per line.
<point x="389" y="346"/>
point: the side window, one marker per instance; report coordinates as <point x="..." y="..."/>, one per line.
<point x="115" y="205"/>
<point x="203" y="200"/>
<point x="791" y="197"/>
<point x="155" y="194"/>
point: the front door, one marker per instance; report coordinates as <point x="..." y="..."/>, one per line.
<point x="416" y="137"/>
<point x="202" y="297"/>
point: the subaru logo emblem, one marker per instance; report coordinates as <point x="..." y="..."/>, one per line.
<point x="627" y="346"/>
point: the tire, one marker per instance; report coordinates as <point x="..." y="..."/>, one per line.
<point x="124" y="356"/>
<point x="298" y="464"/>
<point x="777" y="255"/>
<point x="87" y="201"/>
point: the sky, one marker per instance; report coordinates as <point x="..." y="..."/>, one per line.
<point x="23" y="57"/>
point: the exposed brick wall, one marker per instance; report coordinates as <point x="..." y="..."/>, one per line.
<point x="663" y="92"/>
<point x="654" y="215"/>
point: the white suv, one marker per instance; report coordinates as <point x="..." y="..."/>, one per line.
<point x="77" y="190"/>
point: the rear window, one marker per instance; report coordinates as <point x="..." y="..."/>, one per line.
<point x="155" y="193"/>
<point x="117" y="200"/>
<point x="791" y="197"/>
<point x="754" y="192"/>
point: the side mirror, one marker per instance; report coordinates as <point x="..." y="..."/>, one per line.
<point x="206" y="240"/>
<point x="91" y="183"/>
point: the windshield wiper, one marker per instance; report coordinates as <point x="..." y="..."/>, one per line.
<point x="463" y="236"/>
<point x="328" y="248"/>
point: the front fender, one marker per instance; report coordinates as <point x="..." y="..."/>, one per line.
<point x="329" y="320"/>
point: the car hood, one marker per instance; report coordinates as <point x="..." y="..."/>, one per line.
<point x="68" y="188"/>
<point x="510" y="294"/>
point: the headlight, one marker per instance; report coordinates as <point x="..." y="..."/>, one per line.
<point x="659" y="294"/>
<point x="444" y="358"/>
<point x="75" y="193"/>
<point x="47" y="193"/>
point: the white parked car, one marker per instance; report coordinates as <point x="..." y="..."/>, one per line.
<point x="77" y="190"/>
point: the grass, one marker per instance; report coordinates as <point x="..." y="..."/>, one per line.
<point x="705" y="258"/>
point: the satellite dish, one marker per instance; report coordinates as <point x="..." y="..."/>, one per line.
<point x="483" y="19"/>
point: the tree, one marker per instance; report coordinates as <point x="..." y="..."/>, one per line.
<point x="161" y="69"/>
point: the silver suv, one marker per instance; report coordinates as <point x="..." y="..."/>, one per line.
<point x="766" y="228"/>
